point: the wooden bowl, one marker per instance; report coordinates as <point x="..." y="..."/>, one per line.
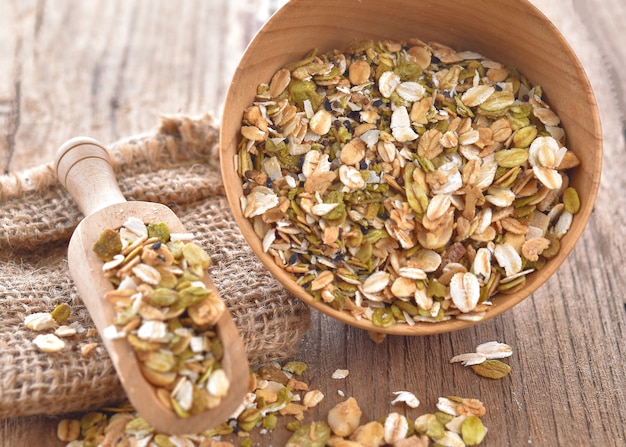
<point x="514" y="33"/>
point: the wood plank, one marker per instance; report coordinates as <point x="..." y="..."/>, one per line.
<point x="110" y="69"/>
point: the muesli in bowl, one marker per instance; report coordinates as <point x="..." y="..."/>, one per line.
<point x="404" y="186"/>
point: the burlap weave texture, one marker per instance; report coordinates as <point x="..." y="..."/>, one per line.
<point x="175" y="165"/>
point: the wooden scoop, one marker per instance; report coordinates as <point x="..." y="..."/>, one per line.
<point x="83" y="168"/>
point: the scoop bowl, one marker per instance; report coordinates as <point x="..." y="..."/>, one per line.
<point x="84" y="168"/>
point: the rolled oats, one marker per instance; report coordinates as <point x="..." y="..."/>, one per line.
<point x="312" y="398"/>
<point x="65" y="331"/>
<point x="563" y="223"/>
<point x="396" y="427"/>
<point x="494" y="350"/>
<point x="363" y="160"/>
<point x="465" y="291"/>
<point x="470" y="358"/>
<point x="340" y="374"/>
<point x="49" y="343"/>
<point x="40" y="321"/>
<point x="68" y="430"/>
<point x="406" y="397"/>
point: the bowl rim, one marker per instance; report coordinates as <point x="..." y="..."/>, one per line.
<point x="500" y="302"/>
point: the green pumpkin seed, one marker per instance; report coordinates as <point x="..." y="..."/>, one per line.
<point x="571" y="200"/>
<point x="383" y="317"/>
<point x="61" y="313"/>
<point x="163" y="297"/>
<point x="473" y="431"/>
<point x="497" y="104"/>
<point x="248" y="419"/>
<point x="512" y="158"/>
<point x="524" y="136"/>
<point x="492" y="369"/>
<point x="315" y="434"/>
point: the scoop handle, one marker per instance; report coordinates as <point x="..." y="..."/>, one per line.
<point x="83" y="167"/>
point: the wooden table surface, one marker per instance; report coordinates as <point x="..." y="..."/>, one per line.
<point x="110" y="69"/>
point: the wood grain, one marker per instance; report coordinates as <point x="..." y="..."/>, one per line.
<point x="110" y="69"/>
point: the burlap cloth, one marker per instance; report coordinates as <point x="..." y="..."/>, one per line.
<point x="176" y="165"/>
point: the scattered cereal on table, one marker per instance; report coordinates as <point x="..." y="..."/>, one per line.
<point x="407" y="398"/>
<point x="484" y="361"/>
<point x="272" y="403"/>
<point x="340" y="374"/>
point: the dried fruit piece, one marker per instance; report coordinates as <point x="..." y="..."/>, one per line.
<point x="295" y="367"/>
<point x="159" y="230"/>
<point x="86" y="349"/>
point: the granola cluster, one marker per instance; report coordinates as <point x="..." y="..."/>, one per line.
<point x="405" y="182"/>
